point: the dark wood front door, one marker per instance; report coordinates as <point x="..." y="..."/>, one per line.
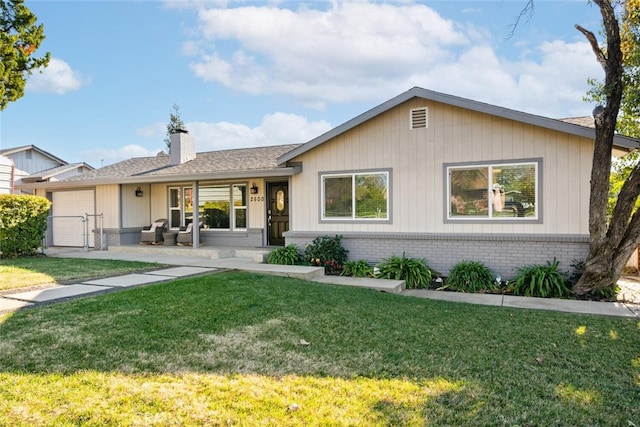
<point x="278" y="212"/>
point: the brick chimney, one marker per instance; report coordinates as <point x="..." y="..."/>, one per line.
<point x="183" y="147"/>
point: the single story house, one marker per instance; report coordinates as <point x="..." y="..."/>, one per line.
<point x="428" y="174"/>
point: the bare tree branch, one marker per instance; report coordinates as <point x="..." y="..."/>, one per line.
<point x="591" y="38"/>
<point x="526" y="12"/>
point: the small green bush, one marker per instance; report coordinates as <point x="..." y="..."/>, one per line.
<point x="327" y="252"/>
<point x="544" y="281"/>
<point x="359" y="268"/>
<point x="471" y="276"/>
<point x="23" y="222"/>
<point x="414" y="271"/>
<point x="287" y="255"/>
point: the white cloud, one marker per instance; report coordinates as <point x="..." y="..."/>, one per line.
<point x="153" y="130"/>
<point x="99" y="156"/>
<point x="275" y="129"/>
<point x="333" y="55"/>
<point x="57" y="77"/>
<point x="361" y="51"/>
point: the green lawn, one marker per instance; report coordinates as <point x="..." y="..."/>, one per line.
<point x="38" y="270"/>
<point x="225" y="349"/>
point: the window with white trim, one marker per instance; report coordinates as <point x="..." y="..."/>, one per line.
<point x="361" y="196"/>
<point x="223" y="206"/>
<point x="490" y="191"/>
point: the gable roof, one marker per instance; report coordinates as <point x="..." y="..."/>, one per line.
<point x="575" y="127"/>
<point x="54" y="172"/>
<point x="13" y="150"/>
<point x="224" y="164"/>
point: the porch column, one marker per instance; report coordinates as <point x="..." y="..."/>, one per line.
<point x="195" y="229"/>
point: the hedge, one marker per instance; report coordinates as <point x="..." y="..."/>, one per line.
<point x="23" y="222"/>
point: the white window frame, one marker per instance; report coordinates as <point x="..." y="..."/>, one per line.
<point x="232" y="207"/>
<point x="235" y="208"/>
<point x="232" y="216"/>
<point x="352" y="175"/>
<point x="536" y="217"/>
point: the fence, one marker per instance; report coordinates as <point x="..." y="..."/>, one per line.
<point x="71" y="239"/>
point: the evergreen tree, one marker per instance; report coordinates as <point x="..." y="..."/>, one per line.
<point x="19" y="39"/>
<point x="175" y="124"/>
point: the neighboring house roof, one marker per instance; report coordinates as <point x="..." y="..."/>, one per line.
<point x="585" y="121"/>
<point x="225" y="164"/>
<point x="56" y="172"/>
<point x="579" y="129"/>
<point x="13" y="150"/>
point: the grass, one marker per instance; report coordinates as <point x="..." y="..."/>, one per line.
<point x="225" y="349"/>
<point x="33" y="271"/>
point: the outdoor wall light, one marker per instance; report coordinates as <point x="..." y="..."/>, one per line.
<point x="254" y="188"/>
<point x="138" y="192"/>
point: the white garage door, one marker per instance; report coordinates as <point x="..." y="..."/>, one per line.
<point x="67" y="208"/>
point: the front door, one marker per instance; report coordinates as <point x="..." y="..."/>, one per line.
<point x="277" y="213"/>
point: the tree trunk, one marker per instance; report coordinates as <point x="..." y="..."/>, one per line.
<point x="602" y="269"/>
<point x="609" y="247"/>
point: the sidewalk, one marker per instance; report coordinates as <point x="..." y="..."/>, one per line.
<point x="184" y="266"/>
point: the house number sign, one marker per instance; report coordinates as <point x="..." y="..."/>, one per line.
<point x="256" y="199"/>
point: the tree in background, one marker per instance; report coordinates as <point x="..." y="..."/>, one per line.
<point x="19" y="39"/>
<point x="175" y="124"/>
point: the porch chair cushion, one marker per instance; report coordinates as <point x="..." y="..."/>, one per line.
<point x="153" y="233"/>
<point x="186" y="237"/>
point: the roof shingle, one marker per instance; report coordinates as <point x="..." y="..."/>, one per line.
<point x="242" y="159"/>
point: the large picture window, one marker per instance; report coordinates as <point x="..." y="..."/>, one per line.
<point x="219" y="206"/>
<point x="505" y="191"/>
<point x="223" y="206"/>
<point x="355" y="196"/>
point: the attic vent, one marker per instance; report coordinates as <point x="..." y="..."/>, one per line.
<point x="420" y="118"/>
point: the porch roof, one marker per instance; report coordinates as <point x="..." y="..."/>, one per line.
<point x="224" y="164"/>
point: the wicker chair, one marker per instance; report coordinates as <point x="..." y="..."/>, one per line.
<point x="185" y="237"/>
<point x="153" y="233"/>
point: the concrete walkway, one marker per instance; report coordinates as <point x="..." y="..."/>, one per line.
<point x="186" y="264"/>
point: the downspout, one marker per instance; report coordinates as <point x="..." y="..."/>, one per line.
<point x="13" y="176"/>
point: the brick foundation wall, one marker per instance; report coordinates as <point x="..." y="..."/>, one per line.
<point x="501" y="253"/>
<point x="131" y="236"/>
<point x="251" y="238"/>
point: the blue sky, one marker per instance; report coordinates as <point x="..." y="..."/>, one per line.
<point x="250" y="73"/>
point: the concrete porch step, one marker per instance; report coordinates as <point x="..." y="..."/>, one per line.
<point x="211" y="252"/>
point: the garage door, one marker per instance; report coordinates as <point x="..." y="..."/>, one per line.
<point x="67" y="208"/>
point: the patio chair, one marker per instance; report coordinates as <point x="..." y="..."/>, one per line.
<point x="185" y="237"/>
<point x="153" y="233"/>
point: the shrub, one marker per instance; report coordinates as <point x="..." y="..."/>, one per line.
<point x="327" y="252"/>
<point x="471" y="276"/>
<point x="359" y="268"/>
<point x="414" y="271"/>
<point x="23" y="221"/>
<point x="544" y="281"/>
<point x="287" y="255"/>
